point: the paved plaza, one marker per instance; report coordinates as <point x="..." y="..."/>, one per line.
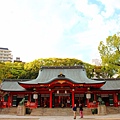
<point x="88" y="117"/>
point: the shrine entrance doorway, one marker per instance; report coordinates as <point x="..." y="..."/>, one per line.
<point x="80" y="98"/>
<point x="62" y="100"/>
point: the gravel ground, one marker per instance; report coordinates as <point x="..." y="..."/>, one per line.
<point x="89" y="117"/>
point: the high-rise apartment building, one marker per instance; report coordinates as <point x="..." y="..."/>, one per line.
<point x="5" y="55"/>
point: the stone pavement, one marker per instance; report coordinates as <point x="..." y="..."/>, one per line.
<point x="88" y="117"/>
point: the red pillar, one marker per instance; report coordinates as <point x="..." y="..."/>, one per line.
<point x="50" y="99"/>
<point x="87" y="101"/>
<point x="115" y="100"/>
<point x="9" y="101"/>
<point x="73" y="98"/>
<point x="59" y="100"/>
<point x="95" y="97"/>
<point x="36" y="102"/>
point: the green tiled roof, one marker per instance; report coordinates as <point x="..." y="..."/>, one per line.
<point x="9" y="85"/>
<point x="76" y="74"/>
<point x="111" y="84"/>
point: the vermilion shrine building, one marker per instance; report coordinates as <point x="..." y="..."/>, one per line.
<point x="60" y="87"/>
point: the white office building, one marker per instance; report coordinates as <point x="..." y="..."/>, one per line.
<point x="5" y="55"/>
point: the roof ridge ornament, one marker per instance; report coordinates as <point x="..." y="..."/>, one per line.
<point x="61" y="75"/>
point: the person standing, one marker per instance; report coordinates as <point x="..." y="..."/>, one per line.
<point x="81" y="110"/>
<point x="74" y="111"/>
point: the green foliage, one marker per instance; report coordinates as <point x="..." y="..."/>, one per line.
<point x="89" y="70"/>
<point x="110" y="55"/>
<point x="19" y="70"/>
<point x="2" y="73"/>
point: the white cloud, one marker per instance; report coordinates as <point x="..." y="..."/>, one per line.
<point x="89" y="10"/>
<point x="98" y="27"/>
<point x="28" y="35"/>
<point x="34" y="29"/>
<point x="110" y="6"/>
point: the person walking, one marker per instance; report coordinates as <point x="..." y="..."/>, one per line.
<point x="74" y="111"/>
<point x="81" y="110"/>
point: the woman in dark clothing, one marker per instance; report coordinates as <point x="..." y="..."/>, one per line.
<point x="74" y="111"/>
<point x="81" y="110"/>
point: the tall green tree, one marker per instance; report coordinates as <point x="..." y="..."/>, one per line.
<point x="33" y="67"/>
<point x="19" y="70"/>
<point x="110" y="55"/>
<point x="2" y="71"/>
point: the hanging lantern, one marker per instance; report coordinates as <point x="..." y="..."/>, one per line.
<point x="88" y="95"/>
<point x="35" y="96"/>
<point x="57" y="91"/>
<point x="65" y="91"/>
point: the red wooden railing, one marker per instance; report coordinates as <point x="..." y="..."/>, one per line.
<point x="92" y="105"/>
<point x="31" y="105"/>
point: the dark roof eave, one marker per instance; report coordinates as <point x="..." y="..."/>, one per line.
<point x="61" y="78"/>
<point x="27" y="83"/>
<point x="8" y="90"/>
<point x="110" y="89"/>
<point x="62" y="67"/>
<point x="16" y="80"/>
<point x="100" y="82"/>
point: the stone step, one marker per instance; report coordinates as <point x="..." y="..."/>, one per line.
<point x="12" y="110"/>
<point x="56" y="111"/>
<point x="113" y="110"/>
<point x="4" y="111"/>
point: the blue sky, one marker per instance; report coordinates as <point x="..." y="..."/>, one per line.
<point x="34" y="29"/>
